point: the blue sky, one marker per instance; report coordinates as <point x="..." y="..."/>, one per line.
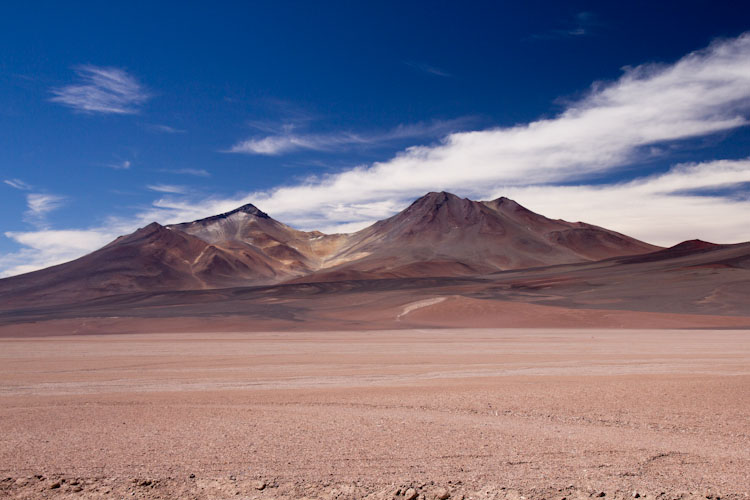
<point x="628" y="115"/>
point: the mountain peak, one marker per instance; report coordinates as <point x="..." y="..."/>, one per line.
<point x="438" y="196"/>
<point x="503" y="200"/>
<point x="433" y="203"/>
<point x="441" y="197"/>
<point x="248" y="208"/>
<point x="686" y="248"/>
<point x="151" y="233"/>
<point x="146" y="231"/>
<point x="151" y="227"/>
<point x="433" y="212"/>
<point x="435" y="200"/>
<point x="696" y="245"/>
<point x="506" y="203"/>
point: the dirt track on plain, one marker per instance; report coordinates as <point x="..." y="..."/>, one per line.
<point x="480" y="413"/>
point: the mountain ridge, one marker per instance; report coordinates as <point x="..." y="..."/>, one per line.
<point x="464" y="236"/>
<point x="438" y="235"/>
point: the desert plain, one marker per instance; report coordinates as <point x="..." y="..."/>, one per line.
<point x="405" y="413"/>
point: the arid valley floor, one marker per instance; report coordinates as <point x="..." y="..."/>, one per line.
<point x="412" y="413"/>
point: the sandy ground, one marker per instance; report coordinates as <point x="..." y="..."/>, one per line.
<point x="473" y="413"/>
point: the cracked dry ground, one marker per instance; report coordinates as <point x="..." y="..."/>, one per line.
<point x="392" y="414"/>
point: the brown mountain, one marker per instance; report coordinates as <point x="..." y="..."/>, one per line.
<point x="439" y="235"/>
<point x="152" y="258"/>
<point x="693" y="284"/>
<point x="290" y="252"/>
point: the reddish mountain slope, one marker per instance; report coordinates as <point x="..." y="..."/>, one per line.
<point x="586" y="241"/>
<point x="693" y="277"/>
<point x="289" y="251"/>
<point x="152" y="258"/>
<point x="441" y="234"/>
<point x="686" y="248"/>
<point x="714" y="282"/>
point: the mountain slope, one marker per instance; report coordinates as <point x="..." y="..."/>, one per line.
<point x="438" y="235"/>
<point x="586" y="241"/>
<point x="692" y="277"/>
<point x="153" y="258"/>
<point x="696" y="288"/>
<point x="441" y="234"/>
<point x="289" y="251"/>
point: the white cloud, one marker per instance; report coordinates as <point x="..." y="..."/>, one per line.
<point x="120" y="165"/>
<point x="651" y="208"/>
<point x="656" y="208"/>
<point x="102" y="90"/>
<point x="48" y="248"/>
<point x="39" y="205"/>
<point x="167" y="188"/>
<point x="287" y="140"/>
<point x="166" y="129"/>
<point x="196" y="172"/>
<point x="274" y="145"/>
<point x="616" y="124"/>
<point x="18" y="184"/>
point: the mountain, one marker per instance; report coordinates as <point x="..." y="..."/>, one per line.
<point x="693" y="277"/>
<point x="441" y="234"/>
<point x="438" y="235"/>
<point x="691" y="285"/>
<point x="152" y="258"/>
<point x="289" y="251"/>
<point x="690" y="248"/>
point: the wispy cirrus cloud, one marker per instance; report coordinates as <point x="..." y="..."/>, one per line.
<point x="102" y="90"/>
<point x="287" y="140"/>
<point x="195" y="172"/>
<point x="39" y="205"/>
<point x="168" y="188"/>
<point x="18" y="184"/>
<point x="548" y="165"/>
<point x="164" y="129"/>
<point x="614" y="125"/>
<point x="119" y="165"/>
